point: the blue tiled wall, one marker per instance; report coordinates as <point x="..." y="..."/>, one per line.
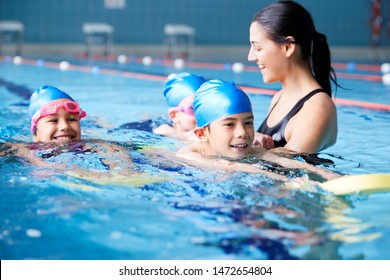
<point x="224" y="22"/>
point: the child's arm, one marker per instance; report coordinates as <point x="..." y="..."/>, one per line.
<point x="164" y="129"/>
<point x="169" y="131"/>
<point x="115" y="156"/>
<point x="27" y="154"/>
<point x="192" y="153"/>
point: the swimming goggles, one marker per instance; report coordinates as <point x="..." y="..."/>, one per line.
<point x="186" y="109"/>
<point x="52" y="108"/>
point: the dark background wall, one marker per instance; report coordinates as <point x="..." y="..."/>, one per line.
<point x="345" y="22"/>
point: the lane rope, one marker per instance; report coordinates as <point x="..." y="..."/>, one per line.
<point x="162" y="78"/>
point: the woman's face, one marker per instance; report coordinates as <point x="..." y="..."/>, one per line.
<point x="268" y="55"/>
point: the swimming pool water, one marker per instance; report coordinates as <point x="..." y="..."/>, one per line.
<point x="168" y="209"/>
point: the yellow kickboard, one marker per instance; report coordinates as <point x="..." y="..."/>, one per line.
<point x="137" y="180"/>
<point x="354" y="184"/>
<point x="133" y="180"/>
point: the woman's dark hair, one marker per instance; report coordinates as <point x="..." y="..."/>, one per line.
<point x="287" y="18"/>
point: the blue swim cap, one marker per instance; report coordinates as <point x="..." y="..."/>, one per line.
<point x="42" y="96"/>
<point x="217" y="98"/>
<point x="180" y="86"/>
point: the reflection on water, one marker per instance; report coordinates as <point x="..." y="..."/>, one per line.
<point x="160" y="205"/>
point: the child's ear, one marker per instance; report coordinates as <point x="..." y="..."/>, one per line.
<point x="35" y="139"/>
<point x="200" y="134"/>
<point x="172" y="114"/>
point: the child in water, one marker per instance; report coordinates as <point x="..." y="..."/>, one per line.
<point x="56" y="132"/>
<point x="179" y="93"/>
<point x="225" y="131"/>
<point x="54" y="116"/>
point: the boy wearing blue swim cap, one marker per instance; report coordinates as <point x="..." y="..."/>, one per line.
<point x="179" y="90"/>
<point x="54" y="116"/>
<point x="224" y="117"/>
<point x="225" y="130"/>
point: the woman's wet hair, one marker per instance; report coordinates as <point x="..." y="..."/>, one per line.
<point x="287" y="18"/>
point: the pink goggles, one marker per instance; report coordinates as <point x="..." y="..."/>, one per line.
<point x="52" y="108"/>
<point x="186" y="109"/>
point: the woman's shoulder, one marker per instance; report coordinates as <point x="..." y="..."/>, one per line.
<point x="317" y="111"/>
<point x="320" y="101"/>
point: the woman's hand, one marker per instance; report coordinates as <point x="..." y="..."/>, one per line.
<point x="263" y="140"/>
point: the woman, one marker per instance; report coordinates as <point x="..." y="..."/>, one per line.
<point x="288" y="49"/>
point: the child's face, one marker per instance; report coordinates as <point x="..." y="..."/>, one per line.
<point x="182" y="116"/>
<point x="231" y="136"/>
<point x="61" y="127"/>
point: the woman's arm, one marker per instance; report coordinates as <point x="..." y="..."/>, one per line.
<point x="291" y="163"/>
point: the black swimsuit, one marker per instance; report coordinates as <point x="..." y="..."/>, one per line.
<point x="277" y="131"/>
